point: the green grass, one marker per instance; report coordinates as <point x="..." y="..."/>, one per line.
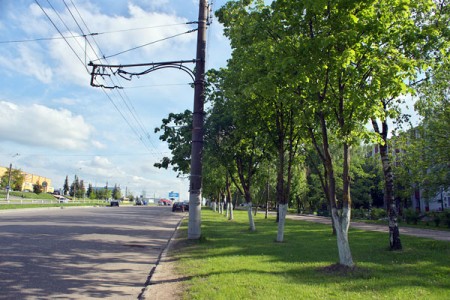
<point x="27" y="195"/>
<point x="20" y="206"/>
<point x="229" y="262"/>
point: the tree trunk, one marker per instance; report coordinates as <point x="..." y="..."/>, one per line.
<point x="230" y="207"/>
<point x="229" y="199"/>
<point x="389" y="199"/>
<point x="250" y="217"/>
<point x="342" y="223"/>
<point x="283" y="211"/>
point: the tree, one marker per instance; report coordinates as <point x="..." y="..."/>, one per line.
<point x="176" y="131"/>
<point x="75" y="187"/>
<point x="37" y="188"/>
<point x="17" y="179"/>
<point x="261" y="92"/>
<point x="66" y="187"/>
<point x="90" y="192"/>
<point x="116" y="193"/>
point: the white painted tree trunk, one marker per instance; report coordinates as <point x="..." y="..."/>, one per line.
<point x="227" y="210"/>
<point x="342" y="223"/>
<point x="282" y="220"/>
<point x="250" y="217"/>
<point x="221" y="208"/>
<point x="230" y="207"/>
<point x="214" y="206"/>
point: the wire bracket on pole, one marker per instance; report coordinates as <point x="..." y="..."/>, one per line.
<point x="105" y="70"/>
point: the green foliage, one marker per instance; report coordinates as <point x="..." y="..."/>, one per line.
<point x="436" y="217"/>
<point x="446" y="217"/>
<point x="37" y="188"/>
<point x="377" y="213"/>
<point x="411" y="216"/>
<point x="116" y="192"/>
<point x="176" y="131"/>
<point x="360" y="213"/>
<point x="66" y="187"/>
<point x="17" y="179"/>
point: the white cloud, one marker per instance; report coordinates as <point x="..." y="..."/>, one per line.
<point x="29" y="62"/>
<point x="38" y="125"/>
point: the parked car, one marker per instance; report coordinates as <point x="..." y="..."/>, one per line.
<point x="180" y="206"/>
<point x="138" y="202"/>
<point x="114" y="202"/>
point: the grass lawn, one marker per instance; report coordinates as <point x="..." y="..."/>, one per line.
<point x="20" y="206"/>
<point x="229" y="262"/>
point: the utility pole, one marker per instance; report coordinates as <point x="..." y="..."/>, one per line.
<point x="8" y="188"/>
<point x="195" y="186"/>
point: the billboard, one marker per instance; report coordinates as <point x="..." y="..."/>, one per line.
<point x="174" y="195"/>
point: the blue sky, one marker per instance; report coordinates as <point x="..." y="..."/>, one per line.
<point x="53" y="123"/>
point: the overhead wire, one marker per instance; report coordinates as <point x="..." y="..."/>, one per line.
<point x="90" y="34"/>
<point x="122" y="95"/>
<point x="57" y="29"/>
<point x="81" y="61"/>
<point x="150" y="43"/>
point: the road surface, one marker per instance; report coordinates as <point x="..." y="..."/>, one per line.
<point x="81" y="253"/>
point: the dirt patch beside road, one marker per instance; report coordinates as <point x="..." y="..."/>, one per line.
<point x="166" y="283"/>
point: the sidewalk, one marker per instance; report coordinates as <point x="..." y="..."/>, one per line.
<point x="439" y="235"/>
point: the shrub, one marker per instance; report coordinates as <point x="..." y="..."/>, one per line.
<point x="436" y="217"/>
<point x="377" y="213"/>
<point x="359" y="213"/>
<point x="446" y="217"/>
<point x="411" y="216"/>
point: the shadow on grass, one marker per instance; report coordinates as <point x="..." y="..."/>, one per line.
<point x="308" y="255"/>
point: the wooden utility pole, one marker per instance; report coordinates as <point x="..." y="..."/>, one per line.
<point x="195" y="186"/>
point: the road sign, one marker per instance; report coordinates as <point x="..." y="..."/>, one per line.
<point x="174" y="195"/>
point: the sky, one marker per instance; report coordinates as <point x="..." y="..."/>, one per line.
<point x="54" y="124"/>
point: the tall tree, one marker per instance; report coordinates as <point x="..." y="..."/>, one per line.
<point x="66" y="187"/>
<point x="262" y="92"/>
<point x="116" y="192"/>
<point x="341" y="52"/>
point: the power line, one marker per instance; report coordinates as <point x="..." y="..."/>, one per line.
<point x="90" y="34"/>
<point x="122" y="95"/>
<point x="57" y="29"/>
<point x="151" y="43"/>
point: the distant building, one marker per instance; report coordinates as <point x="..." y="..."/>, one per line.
<point x="419" y="200"/>
<point x="31" y="179"/>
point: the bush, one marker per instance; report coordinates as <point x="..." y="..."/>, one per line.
<point x="359" y="213"/>
<point x="377" y="214"/>
<point x="446" y="217"/>
<point x="411" y="216"/>
<point x="436" y="217"/>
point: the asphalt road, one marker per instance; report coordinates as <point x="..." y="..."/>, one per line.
<point x="81" y="253"/>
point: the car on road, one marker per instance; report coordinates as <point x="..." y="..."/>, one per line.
<point x="63" y="200"/>
<point x="138" y="202"/>
<point x="180" y="206"/>
<point x="114" y="202"/>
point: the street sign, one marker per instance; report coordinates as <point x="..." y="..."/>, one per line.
<point x="174" y="195"/>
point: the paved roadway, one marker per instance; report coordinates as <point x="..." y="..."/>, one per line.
<point x="81" y="253"/>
